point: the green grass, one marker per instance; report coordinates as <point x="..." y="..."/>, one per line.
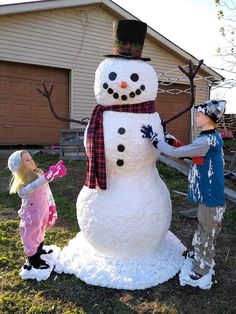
<point x="230" y="143"/>
<point x="67" y="294"/>
<point x="174" y="181"/>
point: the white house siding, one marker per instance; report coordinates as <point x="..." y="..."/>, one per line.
<point x="73" y="38"/>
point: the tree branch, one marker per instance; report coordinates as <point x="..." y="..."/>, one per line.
<point x="191" y="75"/>
<point x="47" y="94"/>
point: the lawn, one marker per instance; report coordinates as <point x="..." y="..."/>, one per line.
<point x="67" y="294"/>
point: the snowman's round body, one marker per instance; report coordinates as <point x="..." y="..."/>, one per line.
<point x="133" y="215"/>
<point x="124" y="240"/>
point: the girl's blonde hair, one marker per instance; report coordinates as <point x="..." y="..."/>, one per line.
<point x="23" y="177"/>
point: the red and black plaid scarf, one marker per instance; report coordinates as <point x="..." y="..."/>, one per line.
<point x="96" y="166"/>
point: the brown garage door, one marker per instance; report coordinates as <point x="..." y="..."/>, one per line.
<point x="25" y="116"/>
<point x="168" y="105"/>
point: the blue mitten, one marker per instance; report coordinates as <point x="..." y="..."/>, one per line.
<point x="148" y="133"/>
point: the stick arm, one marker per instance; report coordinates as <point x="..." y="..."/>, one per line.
<point x="47" y="93"/>
<point x="191" y="75"/>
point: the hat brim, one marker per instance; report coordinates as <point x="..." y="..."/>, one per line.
<point x="127" y="57"/>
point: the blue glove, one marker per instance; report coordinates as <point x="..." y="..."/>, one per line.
<point x="148" y="133"/>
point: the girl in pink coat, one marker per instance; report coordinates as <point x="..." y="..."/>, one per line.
<point x="38" y="208"/>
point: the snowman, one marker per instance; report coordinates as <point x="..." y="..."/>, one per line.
<point x="124" y="208"/>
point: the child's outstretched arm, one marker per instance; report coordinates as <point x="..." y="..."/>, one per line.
<point x="169" y="138"/>
<point x="29" y="188"/>
<point x="199" y="147"/>
<point x="56" y="171"/>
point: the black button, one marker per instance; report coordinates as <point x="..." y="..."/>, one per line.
<point x="142" y="87"/>
<point x="120" y="148"/>
<point x="120" y="162"/>
<point x="121" y="131"/>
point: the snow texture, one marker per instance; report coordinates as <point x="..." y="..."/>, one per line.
<point x="205" y="282"/>
<point x="134" y="213"/>
<point x="143" y="88"/>
<point x="124" y="241"/>
<point x="131" y="273"/>
<point x="194" y="188"/>
<point x="42" y="274"/>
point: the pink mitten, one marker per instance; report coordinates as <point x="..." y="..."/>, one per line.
<point x="52" y="218"/>
<point x="56" y="171"/>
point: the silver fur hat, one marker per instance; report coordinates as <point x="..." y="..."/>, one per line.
<point x="14" y="161"/>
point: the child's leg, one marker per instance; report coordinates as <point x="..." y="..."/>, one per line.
<point x="32" y="228"/>
<point x="43" y="231"/>
<point x="31" y="238"/>
<point x="209" y="226"/>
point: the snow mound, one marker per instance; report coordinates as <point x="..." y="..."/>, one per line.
<point x="205" y="282"/>
<point x="42" y="274"/>
<point x="136" y="272"/>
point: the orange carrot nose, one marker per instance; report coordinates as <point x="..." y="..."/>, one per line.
<point x="123" y="84"/>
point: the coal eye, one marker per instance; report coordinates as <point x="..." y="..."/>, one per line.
<point x="134" y="77"/>
<point x="112" y="76"/>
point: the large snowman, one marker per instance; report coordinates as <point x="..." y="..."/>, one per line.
<point x="124" y="209"/>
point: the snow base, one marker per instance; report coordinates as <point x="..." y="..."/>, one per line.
<point x="42" y="274"/>
<point x="138" y="272"/>
<point x="205" y="282"/>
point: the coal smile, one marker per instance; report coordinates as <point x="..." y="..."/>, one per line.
<point x="123" y="97"/>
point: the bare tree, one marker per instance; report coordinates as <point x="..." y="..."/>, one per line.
<point x="227" y="17"/>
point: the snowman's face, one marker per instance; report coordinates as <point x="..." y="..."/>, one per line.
<point x="120" y="81"/>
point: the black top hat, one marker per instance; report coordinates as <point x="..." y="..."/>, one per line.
<point x="129" y="36"/>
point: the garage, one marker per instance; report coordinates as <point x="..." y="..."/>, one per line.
<point x="171" y="102"/>
<point x="39" y="40"/>
<point x="25" y="116"/>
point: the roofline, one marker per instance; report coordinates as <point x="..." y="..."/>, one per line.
<point x="40" y="5"/>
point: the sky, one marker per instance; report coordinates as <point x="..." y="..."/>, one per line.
<point x="190" y="24"/>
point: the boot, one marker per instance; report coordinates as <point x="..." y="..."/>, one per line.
<point x="195" y="276"/>
<point x="40" y="249"/>
<point x="36" y="262"/>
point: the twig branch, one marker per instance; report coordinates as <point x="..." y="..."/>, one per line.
<point x="191" y="75"/>
<point x="47" y="94"/>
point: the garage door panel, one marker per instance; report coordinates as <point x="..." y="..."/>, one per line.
<point x="20" y="88"/>
<point x="19" y="133"/>
<point x="3" y="86"/>
<point x="168" y="105"/>
<point x="2" y="112"/>
<point x="19" y="111"/>
<point x="42" y="132"/>
<point x="43" y="112"/>
<point x="26" y="117"/>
